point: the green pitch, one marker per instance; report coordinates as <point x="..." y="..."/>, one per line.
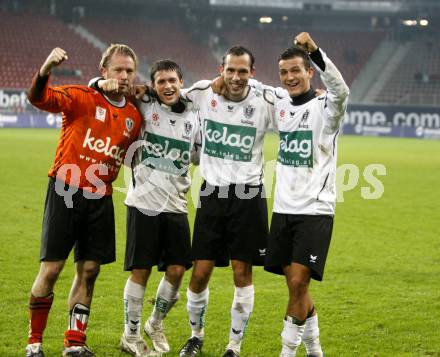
<point x="380" y="295"/>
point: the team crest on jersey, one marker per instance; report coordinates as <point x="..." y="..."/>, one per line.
<point x="129" y="123"/>
<point x="187" y="127"/>
<point x="100" y="113"/>
<point x="230" y="108"/>
<point x="282" y="114"/>
<point x="303" y="122"/>
<point x="172" y="122"/>
<point x="249" y="111"/>
<point x="214" y="105"/>
<point x="155" y="119"/>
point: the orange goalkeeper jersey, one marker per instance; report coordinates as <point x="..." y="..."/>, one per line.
<point x="95" y="134"/>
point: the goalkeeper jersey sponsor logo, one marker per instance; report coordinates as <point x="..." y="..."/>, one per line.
<point x="165" y="154"/>
<point x="226" y="141"/>
<point x="296" y="148"/>
<point x="103" y="146"/>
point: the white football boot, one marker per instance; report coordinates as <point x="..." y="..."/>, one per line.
<point x="158" y="338"/>
<point x="136" y="346"/>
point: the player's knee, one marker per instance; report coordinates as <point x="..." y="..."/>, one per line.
<point x="175" y="274"/>
<point x="140" y="276"/>
<point x="200" y="279"/>
<point x="297" y="286"/>
<point x="90" y="272"/>
<point x="242" y="274"/>
<point x="51" y="272"/>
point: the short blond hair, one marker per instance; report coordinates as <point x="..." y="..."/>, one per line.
<point x="117" y="48"/>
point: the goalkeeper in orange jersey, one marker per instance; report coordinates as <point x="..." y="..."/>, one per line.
<point x="96" y="132"/>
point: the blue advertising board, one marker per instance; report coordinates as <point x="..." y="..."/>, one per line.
<point x="371" y="120"/>
<point x="397" y="121"/>
<point x="30" y="120"/>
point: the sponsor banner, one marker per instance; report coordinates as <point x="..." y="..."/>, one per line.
<point x="296" y="148"/>
<point x="409" y="122"/>
<point x="166" y="154"/>
<point x="396" y="131"/>
<point x="99" y="145"/>
<point x="281" y="4"/>
<point x="27" y="120"/>
<point x="230" y="142"/>
<point x="15" y="101"/>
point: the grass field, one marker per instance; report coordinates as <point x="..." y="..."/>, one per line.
<point x="380" y="295"/>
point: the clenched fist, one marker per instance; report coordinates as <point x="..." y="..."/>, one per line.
<point x="109" y="85"/>
<point x="305" y="41"/>
<point x="56" y="57"/>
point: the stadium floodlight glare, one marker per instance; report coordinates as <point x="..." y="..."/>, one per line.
<point x="285" y="18"/>
<point x="265" y="19"/>
<point x="409" y="22"/>
<point x="423" y="22"/>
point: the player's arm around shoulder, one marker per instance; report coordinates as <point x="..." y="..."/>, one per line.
<point x="197" y="91"/>
<point x="270" y="97"/>
<point x="270" y="93"/>
<point x="138" y="94"/>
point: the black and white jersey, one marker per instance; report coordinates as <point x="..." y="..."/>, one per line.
<point x="307" y="153"/>
<point x="232" y="134"/>
<point x="168" y="144"/>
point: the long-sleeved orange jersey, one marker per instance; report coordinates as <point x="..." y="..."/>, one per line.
<point x="95" y="134"/>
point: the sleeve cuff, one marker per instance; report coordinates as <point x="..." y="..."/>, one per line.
<point x="94" y="84"/>
<point x="316" y="57"/>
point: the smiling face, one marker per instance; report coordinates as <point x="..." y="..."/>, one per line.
<point x="294" y="75"/>
<point x="167" y="85"/>
<point x="236" y="72"/>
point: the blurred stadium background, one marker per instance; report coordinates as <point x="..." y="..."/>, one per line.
<point x="387" y="50"/>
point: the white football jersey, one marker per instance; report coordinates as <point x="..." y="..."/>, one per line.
<point x="168" y="144"/>
<point x="306" y="167"/>
<point x="232" y="134"/>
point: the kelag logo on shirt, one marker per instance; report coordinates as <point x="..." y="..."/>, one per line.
<point x="165" y="154"/>
<point x="233" y="142"/>
<point x="296" y="148"/>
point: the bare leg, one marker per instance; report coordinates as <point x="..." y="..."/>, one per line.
<point x="298" y="280"/>
<point x="46" y="278"/>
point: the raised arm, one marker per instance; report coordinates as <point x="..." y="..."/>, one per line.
<point x="56" y="57"/>
<point x="337" y="90"/>
<point x="40" y="94"/>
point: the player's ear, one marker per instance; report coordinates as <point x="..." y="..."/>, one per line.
<point x="253" y="71"/>
<point x="311" y="72"/>
<point x="221" y="68"/>
<point x="104" y="72"/>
